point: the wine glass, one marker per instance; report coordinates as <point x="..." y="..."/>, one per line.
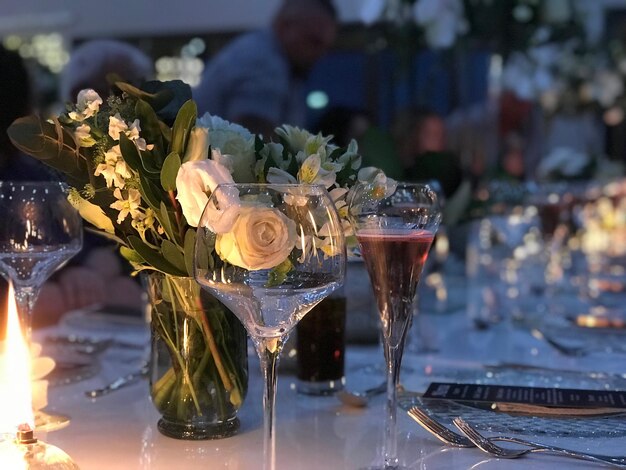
<point x="395" y="225"/>
<point x="40" y="232"/>
<point x="270" y="253"/>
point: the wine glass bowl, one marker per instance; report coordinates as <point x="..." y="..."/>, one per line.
<point x="395" y="225"/>
<point x="270" y="253"/>
<point x="40" y="232"/>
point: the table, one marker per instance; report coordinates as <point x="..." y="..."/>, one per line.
<point x="119" y="431"/>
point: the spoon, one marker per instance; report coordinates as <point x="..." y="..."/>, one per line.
<point x="360" y="399"/>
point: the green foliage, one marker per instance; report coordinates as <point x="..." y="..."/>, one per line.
<point x="169" y="171"/>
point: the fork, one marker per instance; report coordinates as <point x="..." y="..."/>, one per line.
<point x="488" y="446"/>
<point x="457" y="440"/>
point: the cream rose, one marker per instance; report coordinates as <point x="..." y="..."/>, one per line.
<point x="260" y="238"/>
<point x="195" y="181"/>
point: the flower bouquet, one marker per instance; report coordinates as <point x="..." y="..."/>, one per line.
<point x="141" y="166"/>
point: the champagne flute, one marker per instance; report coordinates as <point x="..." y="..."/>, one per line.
<point x="40" y="232"/>
<point x="395" y="226"/>
<point x="270" y="253"/>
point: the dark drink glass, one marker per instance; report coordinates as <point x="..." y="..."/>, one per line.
<point x="320" y="345"/>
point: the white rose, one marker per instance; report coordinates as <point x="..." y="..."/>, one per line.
<point x="195" y="181"/>
<point x="198" y="146"/>
<point x="260" y="238"/>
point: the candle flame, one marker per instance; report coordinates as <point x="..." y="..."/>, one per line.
<point x="16" y="409"/>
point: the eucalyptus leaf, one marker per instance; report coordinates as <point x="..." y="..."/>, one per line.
<point x="180" y="93"/>
<point x="166" y="221"/>
<point x="170" y="171"/>
<point x="153" y="257"/>
<point x="130" y="255"/>
<point x="185" y="121"/>
<point x="158" y="100"/>
<point x="130" y="153"/>
<point x="173" y="254"/>
<point x="150" y="124"/>
<point x="150" y="193"/>
<point x="189" y="246"/>
<point x="55" y="147"/>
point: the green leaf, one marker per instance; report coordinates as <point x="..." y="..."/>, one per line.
<point x="130" y="153"/>
<point x="167" y="223"/>
<point x="279" y="273"/>
<point x="189" y="246"/>
<point x="149" y="163"/>
<point x="150" y="193"/>
<point x="154" y="258"/>
<point x="185" y="120"/>
<point x="173" y="254"/>
<point x="157" y="100"/>
<point x="51" y="144"/>
<point x="170" y="171"/>
<point x="130" y="255"/>
<point x="150" y="128"/>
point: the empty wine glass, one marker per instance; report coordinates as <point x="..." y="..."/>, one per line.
<point x="270" y="253"/>
<point x="40" y="232"/>
<point x="395" y="226"/>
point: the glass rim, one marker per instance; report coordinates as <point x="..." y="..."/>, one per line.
<point x="271" y="185"/>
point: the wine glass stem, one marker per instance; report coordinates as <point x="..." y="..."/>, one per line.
<point x="25" y="297"/>
<point x="390" y="444"/>
<point x="269" y="349"/>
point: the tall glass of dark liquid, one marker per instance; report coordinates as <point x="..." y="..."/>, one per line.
<point x="395" y="224"/>
<point x="320" y="345"/>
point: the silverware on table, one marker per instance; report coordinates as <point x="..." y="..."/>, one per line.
<point x="489" y="446"/>
<point x="119" y="383"/>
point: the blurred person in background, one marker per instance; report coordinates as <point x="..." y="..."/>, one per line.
<point x="92" y="61"/>
<point x="420" y="141"/>
<point x="257" y="80"/>
<point x="344" y="124"/>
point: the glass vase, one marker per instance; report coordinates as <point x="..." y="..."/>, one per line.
<point x="199" y="360"/>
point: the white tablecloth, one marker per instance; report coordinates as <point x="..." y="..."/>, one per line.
<point x="118" y="431"/>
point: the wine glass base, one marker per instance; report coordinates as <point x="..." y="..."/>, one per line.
<point x="45" y="422"/>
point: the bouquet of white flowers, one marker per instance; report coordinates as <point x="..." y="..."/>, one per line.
<point x="141" y="167"/>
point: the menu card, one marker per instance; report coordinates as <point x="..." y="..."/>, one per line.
<point x="557" y="397"/>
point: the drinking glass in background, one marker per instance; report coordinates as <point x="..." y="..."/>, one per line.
<point x="261" y="251"/>
<point x="505" y="266"/>
<point x="40" y="232"/>
<point x="321" y="347"/>
<point x="395" y="226"/>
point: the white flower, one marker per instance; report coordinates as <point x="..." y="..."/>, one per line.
<point x="198" y="145"/>
<point x="194" y="182"/>
<point x="312" y="172"/>
<point x="88" y="104"/>
<point x="116" y="126"/>
<point x="114" y="169"/>
<point x="278" y="176"/>
<point x="129" y="205"/>
<point x="260" y="238"/>
<point x="216" y="123"/>
<point x="83" y="137"/>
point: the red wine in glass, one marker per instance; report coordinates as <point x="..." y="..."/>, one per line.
<point x="394" y="260"/>
<point x="395" y="224"/>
